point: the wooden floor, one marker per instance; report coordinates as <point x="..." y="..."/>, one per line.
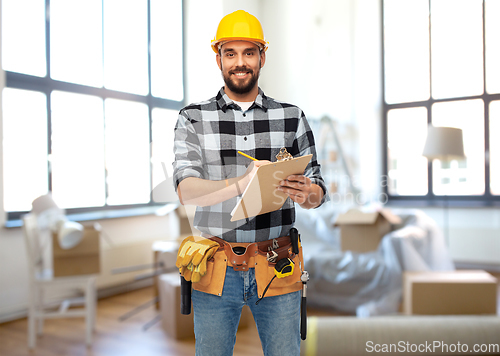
<point x="112" y="337"/>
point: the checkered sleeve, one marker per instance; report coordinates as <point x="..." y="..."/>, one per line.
<point x="305" y="142"/>
<point x="187" y="151"/>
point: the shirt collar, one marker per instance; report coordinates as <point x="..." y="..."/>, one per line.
<point x="224" y="102"/>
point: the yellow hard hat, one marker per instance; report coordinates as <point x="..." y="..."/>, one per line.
<point x="239" y="25"/>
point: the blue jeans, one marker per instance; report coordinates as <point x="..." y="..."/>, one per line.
<point x="216" y="318"/>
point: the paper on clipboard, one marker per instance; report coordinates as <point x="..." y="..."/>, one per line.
<point x="261" y="195"/>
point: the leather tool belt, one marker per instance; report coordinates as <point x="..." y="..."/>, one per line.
<point x="241" y="256"/>
<point x="259" y="255"/>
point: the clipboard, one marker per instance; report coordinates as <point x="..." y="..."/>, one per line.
<point x="261" y="195"/>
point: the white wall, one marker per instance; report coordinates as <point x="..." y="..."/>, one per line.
<point x="309" y="61"/>
<point x="2" y="85"/>
<point x="324" y="56"/>
<point x="203" y="75"/>
<point x="474" y="234"/>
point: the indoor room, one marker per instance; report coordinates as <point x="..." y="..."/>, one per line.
<point x="398" y="102"/>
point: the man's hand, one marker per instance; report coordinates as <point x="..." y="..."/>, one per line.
<point x="300" y="189"/>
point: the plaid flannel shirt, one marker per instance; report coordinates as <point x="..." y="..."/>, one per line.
<point x="207" y="137"/>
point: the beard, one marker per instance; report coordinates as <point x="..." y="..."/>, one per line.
<point x="238" y="87"/>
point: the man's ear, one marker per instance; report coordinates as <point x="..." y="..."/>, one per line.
<point x="218" y="59"/>
<point x="262" y="58"/>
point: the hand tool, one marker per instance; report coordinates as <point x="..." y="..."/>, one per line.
<point x="185" y="296"/>
<point x="303" y="307"/>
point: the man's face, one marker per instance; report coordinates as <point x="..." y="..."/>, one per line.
<point x="240" y="63"/>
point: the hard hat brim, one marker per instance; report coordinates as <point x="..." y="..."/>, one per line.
<point x="216" y="43"/>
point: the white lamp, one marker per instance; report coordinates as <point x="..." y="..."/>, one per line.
<point x="69" y="233"/>
<point x="445" y="144"/>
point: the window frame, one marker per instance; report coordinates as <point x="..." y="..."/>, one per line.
<point x="431" y="199"/>
<point x="47" y="85"/>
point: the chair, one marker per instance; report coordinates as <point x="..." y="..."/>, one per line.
<point x="41" y="280"/>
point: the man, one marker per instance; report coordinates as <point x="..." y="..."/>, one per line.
<point x="210" y="174"/>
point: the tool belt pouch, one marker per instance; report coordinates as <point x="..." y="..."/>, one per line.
<point x="213" y="281"/>
<point x="242" y="261"/>
<point x="264" y="272"/>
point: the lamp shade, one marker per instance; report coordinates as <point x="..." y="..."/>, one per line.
<point x="69" y="234"/>
<point x="49" y="215"/>
<point x="45" y="203"/>
<point x="444" y="143"/>
<point x="47" y="211"/>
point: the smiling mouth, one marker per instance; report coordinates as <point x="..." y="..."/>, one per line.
<point x="240" y="74"/>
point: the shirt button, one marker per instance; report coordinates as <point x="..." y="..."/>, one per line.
<point x="244" y="115"/>
<point x="245" y="138"/>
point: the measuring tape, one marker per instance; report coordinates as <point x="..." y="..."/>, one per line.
<point x="284" y="267"/>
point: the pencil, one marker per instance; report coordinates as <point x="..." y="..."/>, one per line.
<point x="247" y="156"/>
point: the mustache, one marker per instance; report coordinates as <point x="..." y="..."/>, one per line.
<point x="241" y="69"/>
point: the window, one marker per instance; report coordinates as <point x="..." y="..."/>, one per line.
<point x="93" y="88"/>
<point x="440" y="67"/>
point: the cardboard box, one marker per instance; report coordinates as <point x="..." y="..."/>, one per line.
<point x="362" y="232"/>
<point x="174" y="323"/>
<point x="454" y="292"/>
<point x="164" y="253"/>
<point x="84" y="258"/>
<point x="186" y="216"/>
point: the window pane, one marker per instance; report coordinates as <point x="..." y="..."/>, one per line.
<point x="457" y="48"/>
<point x="127" y="152"/>
<point x="163" y="154"/>
<point x="77" y="150"/>
<point x="24" y="151"/>
<point x="407" y="168"/>
<point x="126" y="46"/>
<point x="23" y="36"/>
<point x="492" y="46"/>
<point x="166" y="49"/>
<point x="461" y="177"/>
<point x="495" y="147"/>
<point x="76" y="41"/>
<point x="406" y="50"/>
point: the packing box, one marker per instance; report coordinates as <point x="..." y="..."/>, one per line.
<point x="362" y="232"/>
<point x="164" y="257"/>
<point x="84" y="258"/>
<point x="174" y="323"/>
<point x="185" y="215"/>
<point x="453" y="292"/>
